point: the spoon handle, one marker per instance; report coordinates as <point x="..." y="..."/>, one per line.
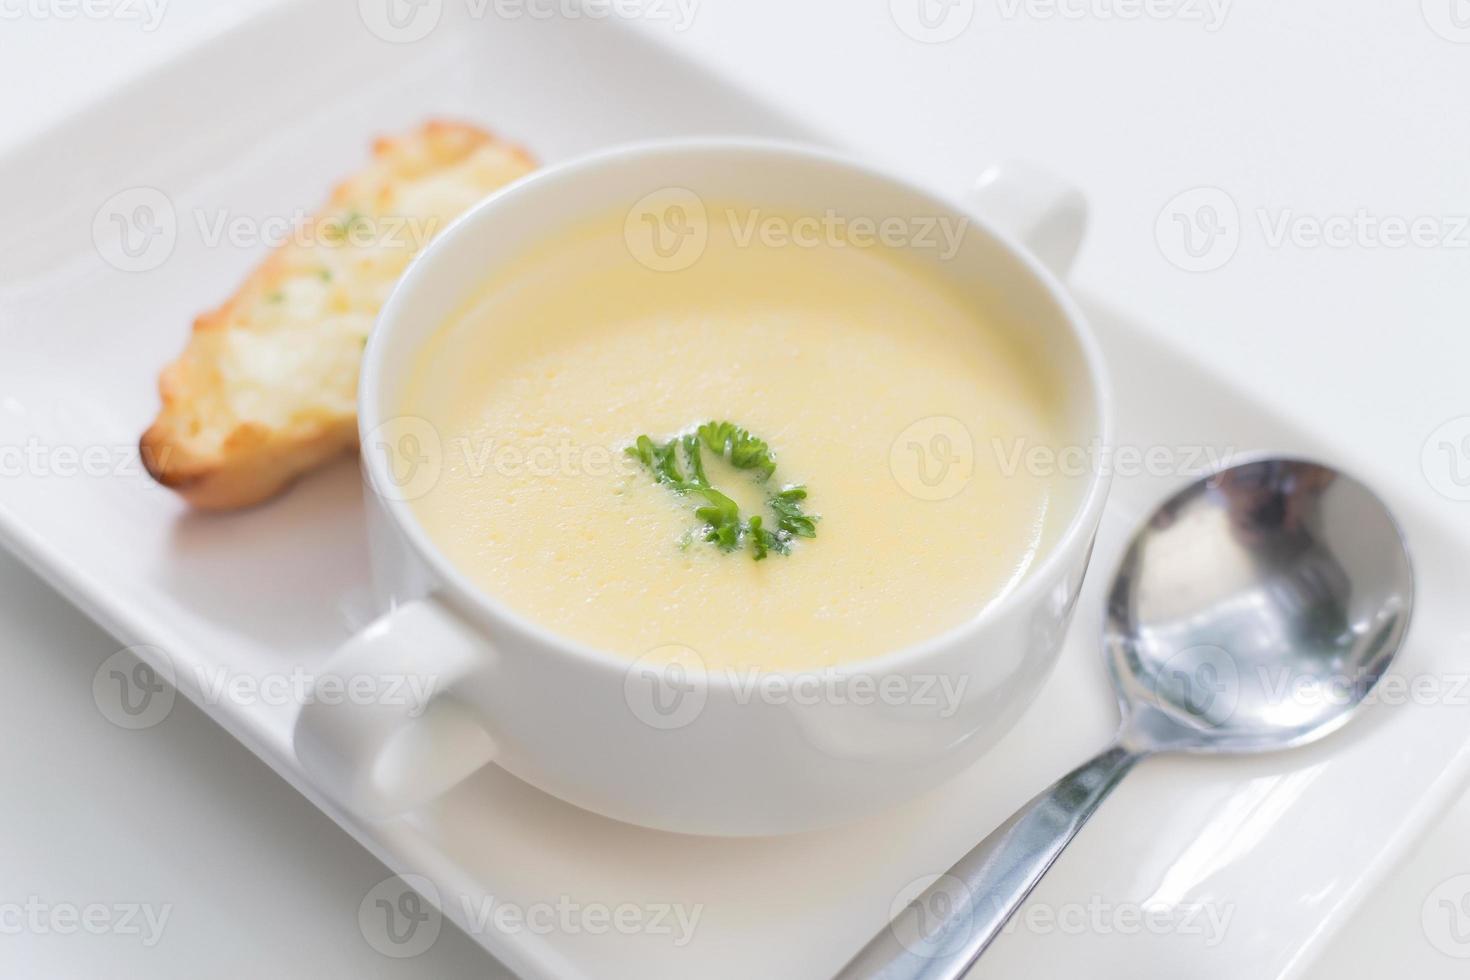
<point x="942" y="933"/>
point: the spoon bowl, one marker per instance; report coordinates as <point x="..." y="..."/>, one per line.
<point x="1255" y="610"/>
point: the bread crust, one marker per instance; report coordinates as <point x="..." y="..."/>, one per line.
<point x="265" y="390"/>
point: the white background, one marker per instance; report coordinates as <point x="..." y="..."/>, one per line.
<point x="1309" y="110"/>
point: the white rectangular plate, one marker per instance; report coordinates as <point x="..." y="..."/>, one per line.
<point x="257" y="124"/>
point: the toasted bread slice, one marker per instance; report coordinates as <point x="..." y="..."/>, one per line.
<point x="266" y="388"/>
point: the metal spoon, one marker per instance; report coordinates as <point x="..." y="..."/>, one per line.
<point x="1255" y="611"/>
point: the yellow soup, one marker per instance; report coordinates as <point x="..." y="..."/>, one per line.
<point x="875" y="384"/>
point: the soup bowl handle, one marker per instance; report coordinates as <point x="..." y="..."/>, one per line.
<point x="1041" y="211"/>
<point x="382" y="738"/>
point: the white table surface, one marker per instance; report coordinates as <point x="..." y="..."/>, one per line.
<point x="1311" y="109"/>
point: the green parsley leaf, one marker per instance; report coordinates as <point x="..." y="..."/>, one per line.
<point x="787" y="505"/>
<point x="720" y="514"/>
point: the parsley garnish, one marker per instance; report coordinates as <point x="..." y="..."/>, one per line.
<point x="746" y="451"/>
<point x="721" y="515"/>
<point x="787" y="505"/>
